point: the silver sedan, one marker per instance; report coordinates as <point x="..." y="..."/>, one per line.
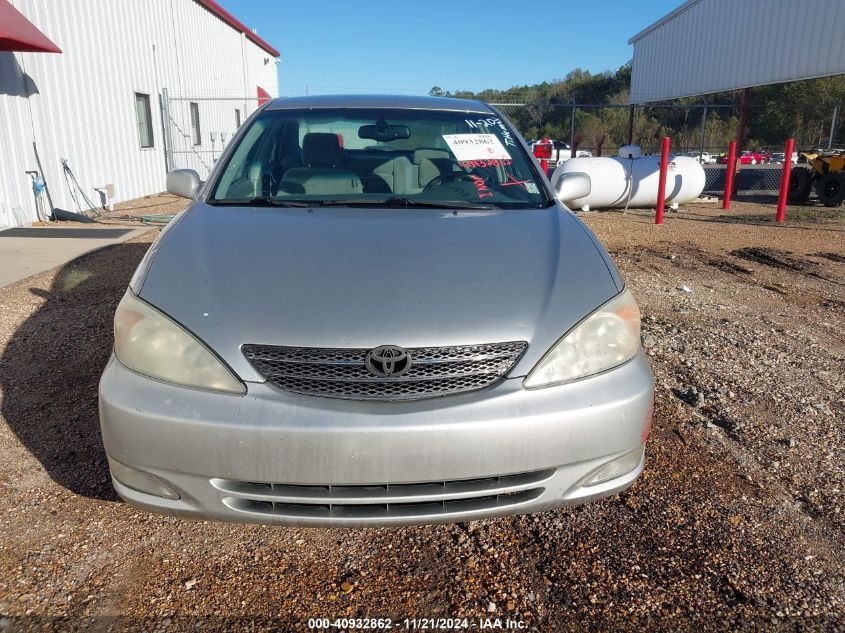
<point x="375" y="311"/>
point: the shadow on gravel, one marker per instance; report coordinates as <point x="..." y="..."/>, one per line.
<point x="775" y="258"/>
<point x="51" y="367"/>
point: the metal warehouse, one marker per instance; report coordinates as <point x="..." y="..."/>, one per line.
<point x="707" y="46"/>
<point x="101" y="98"/>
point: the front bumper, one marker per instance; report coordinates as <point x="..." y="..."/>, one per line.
<point x="277" y="457"/>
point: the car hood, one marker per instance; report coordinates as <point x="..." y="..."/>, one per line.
<point x="361" y="277"/>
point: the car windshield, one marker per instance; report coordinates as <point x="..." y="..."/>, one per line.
<point x="396" y="157"/>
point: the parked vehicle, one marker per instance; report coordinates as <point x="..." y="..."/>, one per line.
<point x="748" y="158"/>
<point x="824" y="174"/>
<point x="410" y="328"/>
<point x="705" y="158"/>
<point x="778" y="157"/>
<point x="561" y="151"/>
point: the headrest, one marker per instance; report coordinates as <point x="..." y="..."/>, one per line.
<point x="430" y="154"/>
<point x="322" y="149"/>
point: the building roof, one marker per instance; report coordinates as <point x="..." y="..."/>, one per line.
<point x="236" y="24"/>
<point x="707" y="46"/>
<point x="666" y="18"/>
<point x="380" y="101"/>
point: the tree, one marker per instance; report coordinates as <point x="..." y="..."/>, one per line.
<point x="802" y="109"/>
<point x="537" y="112"/>
<point x="437" y="91"/>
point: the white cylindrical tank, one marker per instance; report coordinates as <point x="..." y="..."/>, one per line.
<point x="614" y="178"/>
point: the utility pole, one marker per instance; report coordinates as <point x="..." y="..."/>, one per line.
<point x="832" y="127"/>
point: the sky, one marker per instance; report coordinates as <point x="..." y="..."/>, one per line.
<point x="407" y="46"/>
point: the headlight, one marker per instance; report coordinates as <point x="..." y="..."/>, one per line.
<point x="147" y="341"/>
<point x="607" y="338"/>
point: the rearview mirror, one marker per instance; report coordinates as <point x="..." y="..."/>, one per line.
<point x="571" y="186"/>
<point x="383" y="132"/>
<point x="183" y="182"/>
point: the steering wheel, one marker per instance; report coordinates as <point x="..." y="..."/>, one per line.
<point x="454" y="176"/>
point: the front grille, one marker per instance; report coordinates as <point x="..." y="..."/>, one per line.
<point x="341" y="373"/>
<point x="382" y="501"/>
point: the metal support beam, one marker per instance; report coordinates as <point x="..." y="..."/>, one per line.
<point x="832" y="127"/>
<point x="168" y="140"/>
<point x="742" y="127"/>
<point x="741" y="130"/>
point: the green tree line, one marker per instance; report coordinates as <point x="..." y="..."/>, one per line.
<point x="801" y="109"/>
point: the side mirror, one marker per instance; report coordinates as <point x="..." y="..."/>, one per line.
<point x="183" y="182"/>
<point x="571" y="186"/>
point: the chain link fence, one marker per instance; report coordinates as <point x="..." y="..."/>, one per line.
<point x="695" y="128"/>
<point x="198" y="127"/>
<point x="698" y="130"/>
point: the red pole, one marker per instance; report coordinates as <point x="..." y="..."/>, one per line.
<point x="729" y="175"/>
<point x="784" y="179"/>
<point x="661" y="185"/>
<point x="547" y="150"/>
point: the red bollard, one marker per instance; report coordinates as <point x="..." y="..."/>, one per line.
<point x="543" y="151"/>
<point x="661" y="184"/>
<point x="729" y="175"/>
<point x="784" y="179"/>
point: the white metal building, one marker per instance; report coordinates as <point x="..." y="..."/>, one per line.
<point x="707" y="46"/>
<point x="97" y="103"/>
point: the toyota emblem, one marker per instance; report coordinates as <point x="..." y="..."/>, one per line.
<point x="388" y="361"/>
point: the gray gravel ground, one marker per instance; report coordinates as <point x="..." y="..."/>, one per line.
<point x="737" y="522"/>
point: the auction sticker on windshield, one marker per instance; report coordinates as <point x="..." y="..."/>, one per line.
<point x="476" y="146"/>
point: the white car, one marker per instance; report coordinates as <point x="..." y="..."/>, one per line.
<point x="705" y="158"/>
<point x="562" y="151"/>
<point x="777" y="157"/>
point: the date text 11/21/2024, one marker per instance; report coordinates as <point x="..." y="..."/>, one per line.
<point x="417" y="624"/>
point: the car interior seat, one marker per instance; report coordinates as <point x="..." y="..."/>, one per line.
<point x="250" y="184"/>
<point x="397" y="173"/>
<point x="324" y="170"/>
<point x="429" y="164"/>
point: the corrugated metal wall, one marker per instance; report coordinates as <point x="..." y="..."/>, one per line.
<point x="80" y="105"/>
<point x="715" y="45"/>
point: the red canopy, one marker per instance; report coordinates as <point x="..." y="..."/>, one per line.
<point x="263" y="96"/>
<point x="19" y="34"/>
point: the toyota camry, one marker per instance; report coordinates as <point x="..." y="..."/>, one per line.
<point x="374" y="311"/>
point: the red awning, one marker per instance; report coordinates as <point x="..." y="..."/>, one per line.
<point x="263" y="96"/>
<point x="19" y="34"/>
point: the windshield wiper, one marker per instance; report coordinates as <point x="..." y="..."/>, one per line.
<point x="399" y="201"/>
<point x="264" y="201"/>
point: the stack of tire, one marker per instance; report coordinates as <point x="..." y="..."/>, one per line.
<point x="829" y="186"/>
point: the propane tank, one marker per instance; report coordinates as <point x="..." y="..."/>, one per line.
<point x="630" y="151"/>
<point x="614" y="179"/>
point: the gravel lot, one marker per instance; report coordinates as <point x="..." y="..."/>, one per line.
<point x="738" y="520"/>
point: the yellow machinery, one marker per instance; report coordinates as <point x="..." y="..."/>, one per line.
<point x="824" y="173"/>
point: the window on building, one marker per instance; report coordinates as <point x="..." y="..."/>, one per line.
<point x="237" y="118"/>
<point x="145" y="119"/>
<point x="195" y="123"/>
